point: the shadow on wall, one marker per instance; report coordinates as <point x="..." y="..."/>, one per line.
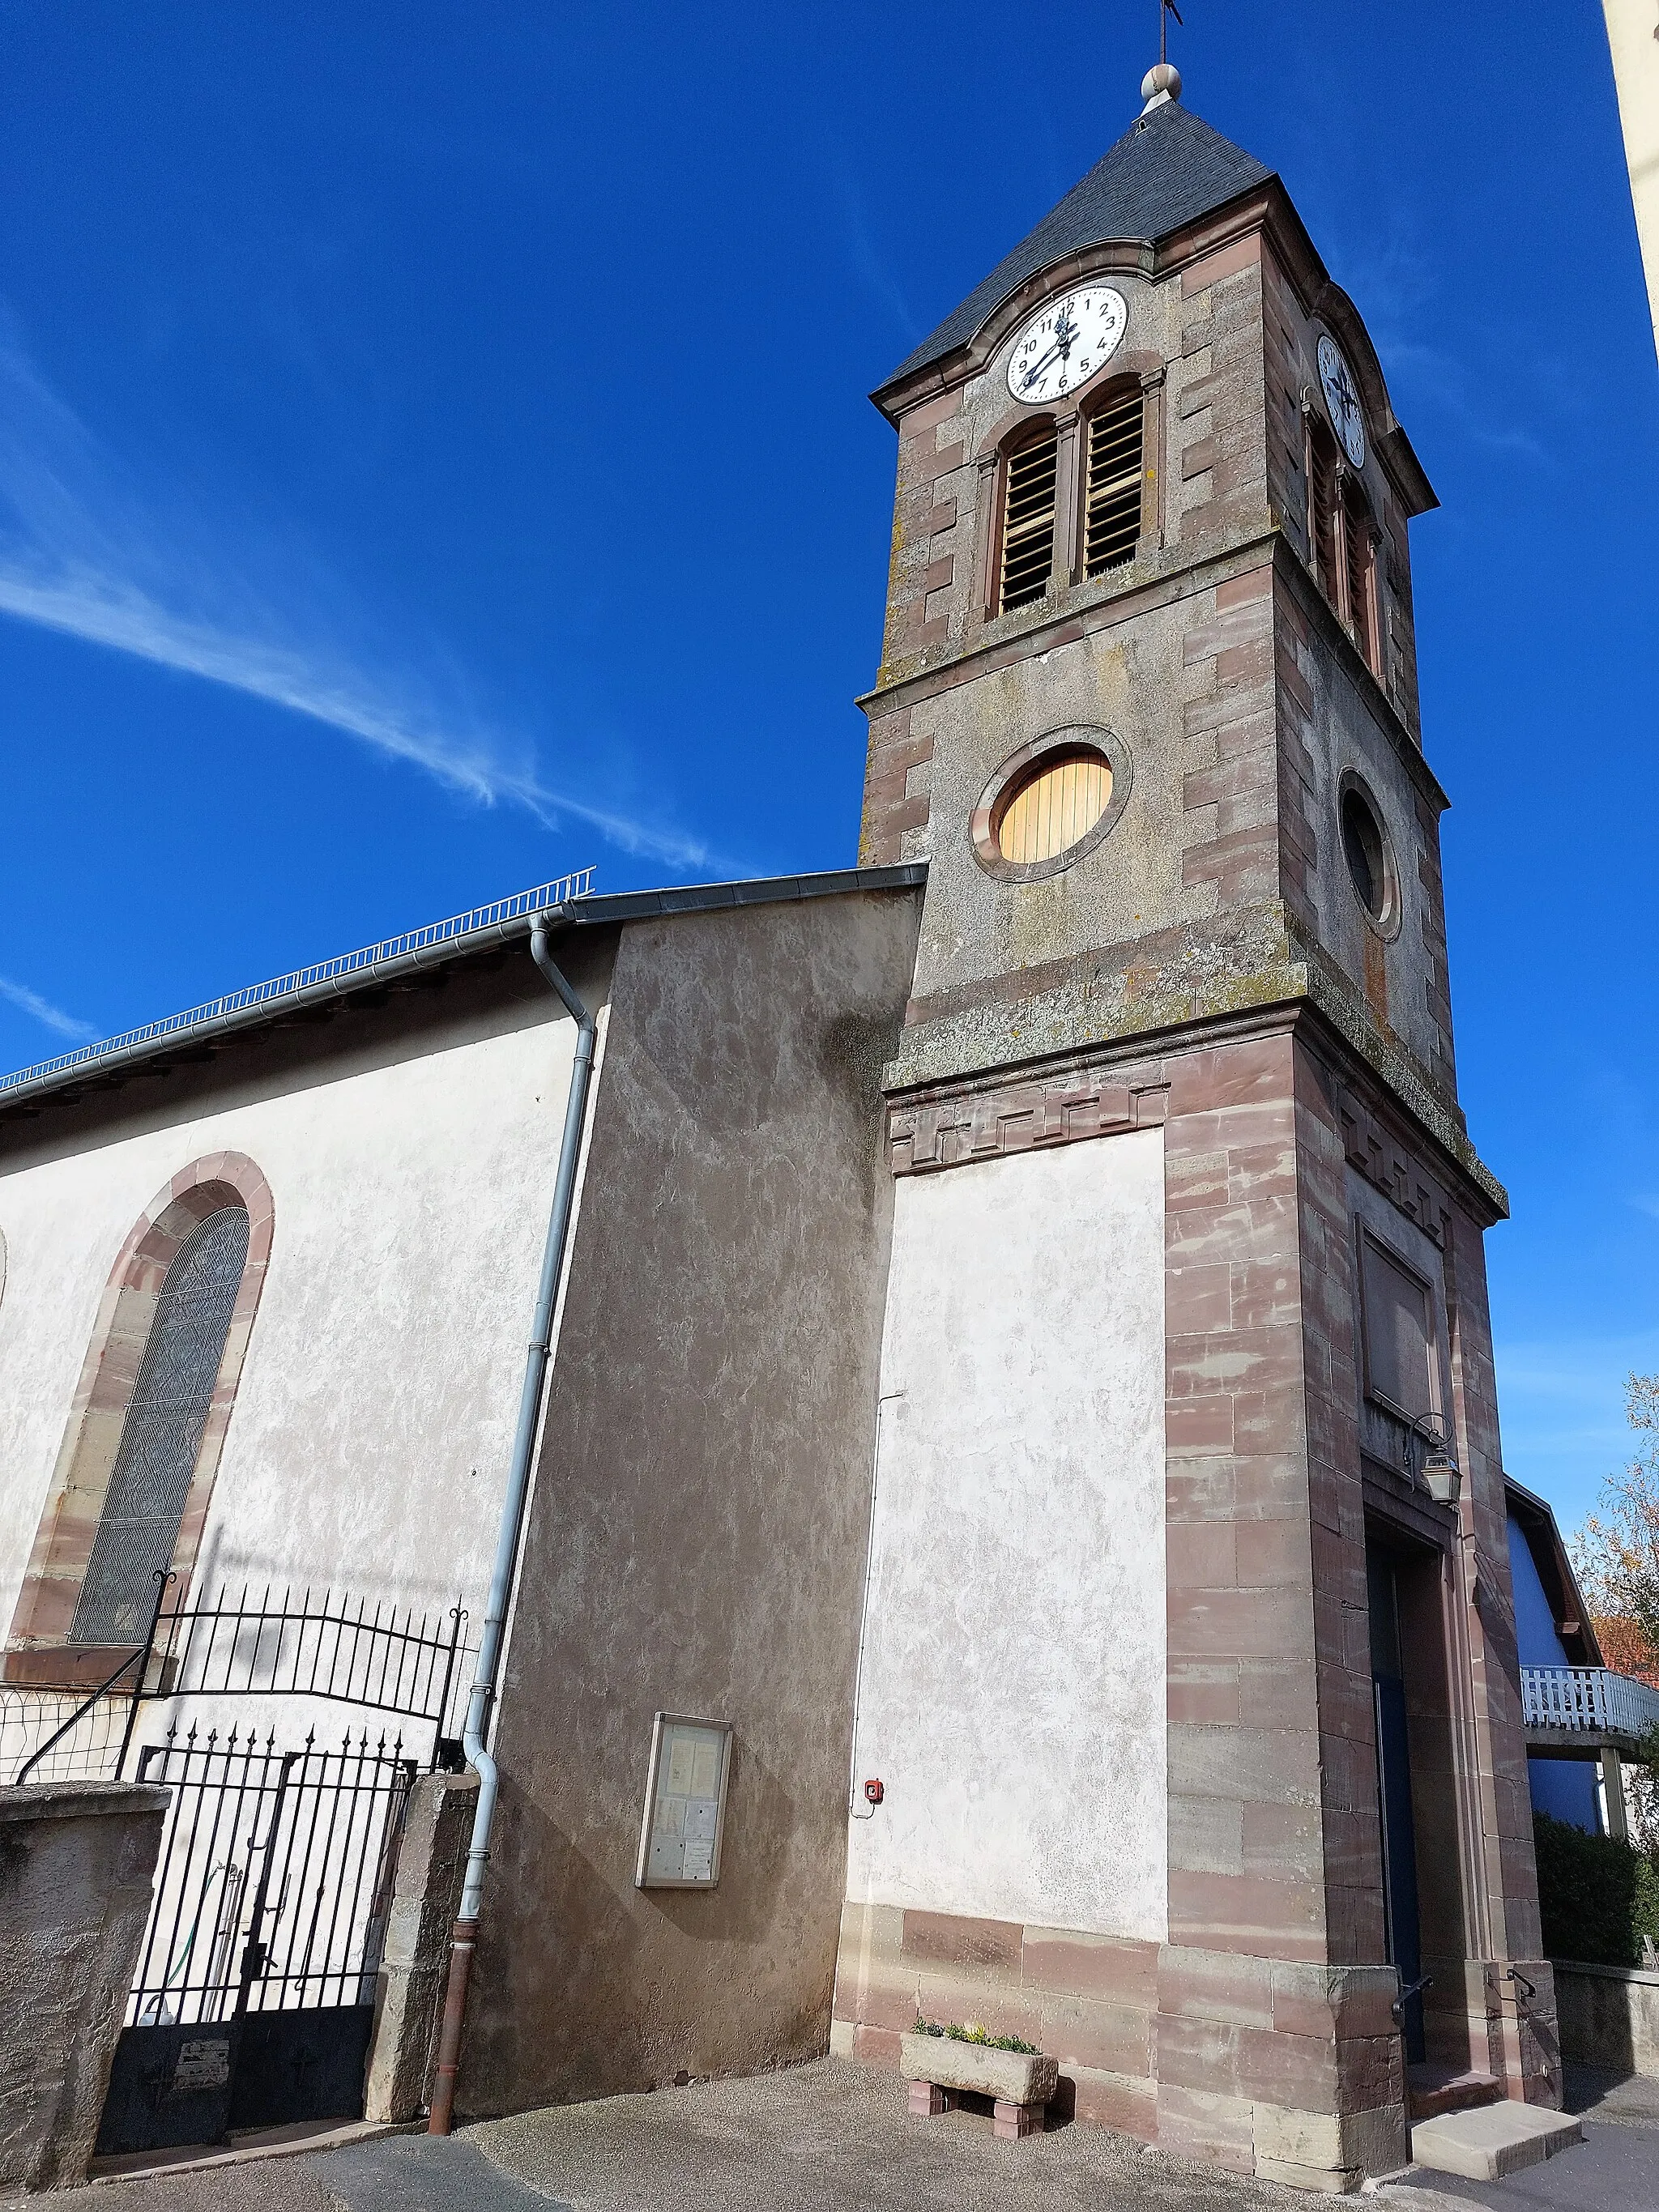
<point x="760" y="1817"/>
<point x="570" y="1926"/>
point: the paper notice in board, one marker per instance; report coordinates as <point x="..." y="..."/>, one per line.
<point x="684" y="1817"/>
<point x="706" y="1767"/>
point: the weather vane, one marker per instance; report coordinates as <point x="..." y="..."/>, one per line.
<point x="1165" y="9"/>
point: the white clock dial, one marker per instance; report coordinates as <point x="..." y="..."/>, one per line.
<point x="1065" y="344"/>
<point x="1342" y="397"/>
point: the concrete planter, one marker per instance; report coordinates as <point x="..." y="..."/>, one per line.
<point x="1012" y="2077"/>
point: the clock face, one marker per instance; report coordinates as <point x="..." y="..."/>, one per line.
<point x="1342" y="397"/>
<point x="1065" y="344"/>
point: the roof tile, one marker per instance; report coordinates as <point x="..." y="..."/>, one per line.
<point x="1168" y="169"/>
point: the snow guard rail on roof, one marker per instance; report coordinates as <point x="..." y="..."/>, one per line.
<point x="369" y="957"/>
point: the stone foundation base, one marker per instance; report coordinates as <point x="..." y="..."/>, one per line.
<point x="1277" y="2067"/>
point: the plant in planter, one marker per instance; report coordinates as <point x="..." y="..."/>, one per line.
<point x="940" y="2061"/>
<point x="971" y="2032"/>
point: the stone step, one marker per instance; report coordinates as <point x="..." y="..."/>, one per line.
<point x="1431" y="2089"/>
<point x="1485" y="2142"/>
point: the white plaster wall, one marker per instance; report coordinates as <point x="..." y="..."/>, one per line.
<point x="1012" y="1696"/>
<point x="367" y="1447"/>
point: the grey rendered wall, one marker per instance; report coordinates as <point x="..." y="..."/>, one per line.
<point x="1609" y="2018"/>
<point x="697" y="1533"/>
<point x="76" y="1862"/>
<point x="1346" y="726"/>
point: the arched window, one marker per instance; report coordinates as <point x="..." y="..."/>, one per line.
<point x="162" y="1434"/>
<point x="146" y="1426"/>
<point x="1114" y="479"/>
<point x="1322" y="508"/>
<point x="1030" y="487"/>
<point x="1359" y="577"/>
<point x="1341" y="540"/>
<point x="1079" y="485"/>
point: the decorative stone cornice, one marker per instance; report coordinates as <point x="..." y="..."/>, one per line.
<point x="1002" y="1074"/>
<point x="1056" y="1107"/>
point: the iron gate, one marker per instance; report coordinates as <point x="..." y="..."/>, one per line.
<point x="254" y="1993"/>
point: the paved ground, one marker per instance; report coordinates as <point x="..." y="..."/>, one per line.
<point x="1615" y="2170"/>
<point x="1606" y="2097"/>
<point x="828" y="2137"/>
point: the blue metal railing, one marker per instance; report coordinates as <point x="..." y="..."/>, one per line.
<point x="369" y="957"/>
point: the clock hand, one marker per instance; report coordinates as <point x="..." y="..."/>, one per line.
<point x="1032" y="374"/>
<point x="1065" y="337"/>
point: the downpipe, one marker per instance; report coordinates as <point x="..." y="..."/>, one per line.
<point x="464" y="1942"/>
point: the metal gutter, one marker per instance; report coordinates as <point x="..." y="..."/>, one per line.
<point x="754" y="890"/>
<point x="480" y="1705"/>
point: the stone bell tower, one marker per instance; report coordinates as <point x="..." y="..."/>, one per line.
<point x="1188" y="1665"/>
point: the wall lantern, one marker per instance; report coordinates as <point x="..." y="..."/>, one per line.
<point x="1442" y="1477"/>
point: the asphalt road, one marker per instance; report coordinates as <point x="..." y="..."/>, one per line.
<point x="828" y="2137"/>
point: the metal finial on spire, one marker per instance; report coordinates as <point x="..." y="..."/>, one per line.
<point x="1162" y="82"/>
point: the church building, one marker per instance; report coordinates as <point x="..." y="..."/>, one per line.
<point x="1017" y="1531"/>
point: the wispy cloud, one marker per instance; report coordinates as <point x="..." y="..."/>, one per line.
<point x="85" y="551"/>
<point x="863" y="255"/>
<point x="42" y="1011"/>
<point x="1391" y="276"/>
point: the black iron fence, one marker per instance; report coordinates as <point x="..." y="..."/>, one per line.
<point x="379" y="1658"/>
<point x="254" y="2001"/>
<point x="274" y="1875"/>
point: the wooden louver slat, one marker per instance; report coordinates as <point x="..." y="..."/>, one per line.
<point x="1028" y="523"/>
<point x="1111" y="525"/>
<point x="1059" y="805"/>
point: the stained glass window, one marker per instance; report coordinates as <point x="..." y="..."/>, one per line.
<point x="162" y="1434"/>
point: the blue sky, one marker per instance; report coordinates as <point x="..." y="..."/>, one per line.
<point x="434" y="454"/>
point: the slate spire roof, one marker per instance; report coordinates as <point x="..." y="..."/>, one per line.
<point x="1166" y="170"/>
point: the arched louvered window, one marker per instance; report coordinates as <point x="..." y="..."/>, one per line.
<point x="1030" y="477"/>
<point x="1361" y="577"/>
<point x="1342" y="541"/>
<point x="161" y="1433"/>
<point x="1112" y="484"/>
<point x="1322" y="508"/>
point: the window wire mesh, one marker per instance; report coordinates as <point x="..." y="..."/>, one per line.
<point x="161" y="1433"/>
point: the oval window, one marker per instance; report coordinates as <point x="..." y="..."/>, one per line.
<point x="1054" y="808"/>
<point x="1367" y="854"/>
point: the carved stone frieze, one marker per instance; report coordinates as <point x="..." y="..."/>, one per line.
<point x="1020" y="1115"/>
<point x="1392" y="1164"/>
